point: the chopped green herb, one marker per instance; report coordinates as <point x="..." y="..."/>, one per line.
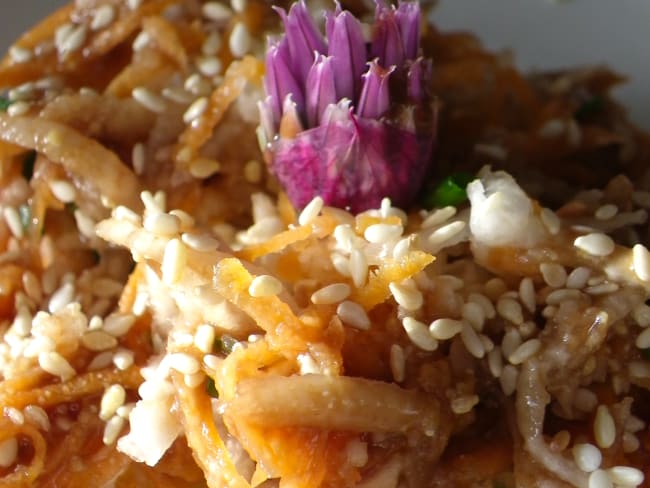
<point x="591" y="107"/>
<point x="28" y="165"/>
<point x="4" y="103"/>
<point x="224" y="344"/>
<point x="25" y="213"/>
<point x="211" y="388"/>
<point x="450" y="191"/>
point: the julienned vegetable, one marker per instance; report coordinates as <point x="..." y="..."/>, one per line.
<point x="347" y="120"/>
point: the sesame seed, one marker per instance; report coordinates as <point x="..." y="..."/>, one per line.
<point x="23" y="92"/>
<point x="510" y="342"/>
<point x="510" y="310"/>
<point x="631" y="443"/>
<point x="63" y="190"/>
<point x="187" y="221"/>
<point x="149" y="100"/>
<point x="626" y="475"/>
<point x="37" y="416"/>
<point x="406" y="295"/>
<point x="216" y="12"/>
<point x="599" y="479"/>
<point x="141" y="41"/>
<point x="606" y="212"/>
<point x="102" y="17"/>
<point x="133" y="4"/>
<point x="197" y="85"/>
<point x="527" y="294"/>
<point x="472" y="341"/>
<point x="464" y="404"/>
<point x="331" y="294"/>
<point x="419" y="334"/>
<point x="18" y="108"/>
<point x="553" y="274"/>
<point x="264" y="286"/>
<point x="438" y="217"/>
<point x="353" y="314"/>
<point x="123" y="359"/>
<point x="138" y="158"/>
<point x="402" y="248"/>
<point x="562" y="295"/>
<point x="587" y="457"/>
<point x="358" y="267"/>
<point x="200" y="242"/>
<point x="12" y="218"/>
<point x="525" y="351"/>
<point x="484" y="302"/>
<point x="508" y="379"/>
<point x="560" y="441"/>
<point x="113" y="398"/>
<point x="550" y="220"/>
<point x="495" y="362"/>
<point x="118" y="324"/>
<point x="70" y="40"/>
<point x="52" y="362"/>
<point x="22" y="324"/>
<point x="444" y="329"/>
<point x="551" y="129"/>
<point x="101" y="361"/>
<point x="602" y="289"/>
<point x="311" y="211"/>
<point x="397" y="362"/>
<point x="15" y="415"/>
<point x="162" y="224"/>
<point x="212" y="44"/>
<point x="495" y="288"/>
<point x="595" y="244"/>
<point x="195" y="110"/>
<point x="211" y="361"/>
<point x="382" y="233"/>
<point x="473" y="313"/>
<point x="446" y="233"/>
<point x="98" y="340"/>
<point x="204" y="167"/>
<point x="112" y="429"/>
<point x="204" y="338"/>
<point x="85" y="224"/>
<point x="178" y="95"/>
<point x="123" y="213"/>
<point x="125" y="410"/>
<point x="183" y="363"/>
<point x="209" y="66"/>
<point x="61" y="297"/>
<point x="20" y="54"/>
<point x="578" y="277"/>
<point x="239" y="6"/>
<point x="240" y="40"/>
<point x="585" y="400"/>
<point x="8" y="452"/>
<point x="174" y="260"/>
<point x="604" y="427"/>
<point x="641" y="262"/>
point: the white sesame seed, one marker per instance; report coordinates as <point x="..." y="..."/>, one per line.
<point x="631" y="442"/>
<point x="174" y="260"/>
<point x="643" y="339"/>
<point x="311" y="211"/>
<point x="406" y="295"/>
<point x="550" y="220"/>
<point x="240" y="40"/>
<point x="495" y="362"/>
<point x="123" y="359"/>
<point x="438" y="217"/>
<point x="510" y="310"/>
<point x="138" y="158"/>
<point x="204" y="167"/>
<point x="634" y="424"/>
<point x="183" y="363"/>
<point x="18" y="108"/>
<point x="15" y="415"/>
<point x="125" y="410"/>
<point x="113" y="398"/>
<point x="585" y="400"/>
<point x="123" y="213"/>
<point x="354" y="315"/>
<point x="382" y="233"/>
<point x="20" y="54"/>
<point x="32" y="286"/>
<point x="587" y="457"/>
<point x="444" y="329"/>
<point x="402" y="248"/>
<point x="562" y="295"/>
<point x="397" y="362"/>
<point x="212" y="43"/>
<point x="553" y="274"/>
<point x="204" y="338"/>
<point x="211" y="361"/>
<point x="358" y="266"/>
<point x="195" y="110"/>
<point x="641" y="262"/>
<point x="508" y="379"/>
<point x="85" y="224"/>
<point x="527" y="294"/>
<point x="24" y="92"/>
<point x="52" y="362"/>
<point x="606" y="212"/>
<point x="604" y="427"/>
<point x="118" y="324"/>
<point x="149" y="100"/>
<point x="344" y="236"/>
<point x="162" y="224"/>
<point x="8" y="452"/>
<point x="12" y="218"/>
<point x="141" y="41"/>
<point x="63" y="190"/>
<point x="472" y="341"/>
<point x="484" y="302"/>
<point x="578" y="277"/>
<point x="419" y="334"/>
<point x="331" y="294"/>
<point x="37" y="416"/>
<point x="602" y="289"/>
<point x="22" y="324"/>
<point x="599" y="479"/>
<point x="112" y="429"/>
<point x="197" y="85"/>
<point x="464" y="404"/>
<point x="133" y="4"/>
<point x="626" y="475"/>
<point x="200" y="242"/>
<point x="98" y="340"/>
<point x="209" y="66"/>
<point x="473" y="313"/>
<point x="525" y="351"/>
<point x="101" y="361"/>
<point x="239" y="6"/>
<point x="102" y="17"/>
<point x="216" y="11"/>
<point x="446" y="233"/>
<point x="596" y="244"/>
<point x="72" y="41"/>
<point x="178" y="95"/>
<point x="61" y="297"/>
<point x="264" y="286"/>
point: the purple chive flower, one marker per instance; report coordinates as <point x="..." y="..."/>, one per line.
<point x="345" y="119"/>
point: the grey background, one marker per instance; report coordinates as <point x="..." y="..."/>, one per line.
<point x="542" y="33"/>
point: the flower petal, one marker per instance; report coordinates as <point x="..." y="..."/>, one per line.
<point x="322" y="91"/>
<point x="348" y="51"/>
<point x="407" y="17"/>
<point x="386" y="43"/>
<point x="374" y="100"/>
<point x="279" y="80"/>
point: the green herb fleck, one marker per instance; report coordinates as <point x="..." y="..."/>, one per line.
<point x="5" y="103"/>
<point x="588" y="109"/>
<point x="224" y="344"/>
<point x="211" y="388"/>
<point x="450" y="191"/>
<point x="25" y="213"/>
<point x="28" y="165"/>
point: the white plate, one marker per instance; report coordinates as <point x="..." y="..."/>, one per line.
<point x="543" y="34"/>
